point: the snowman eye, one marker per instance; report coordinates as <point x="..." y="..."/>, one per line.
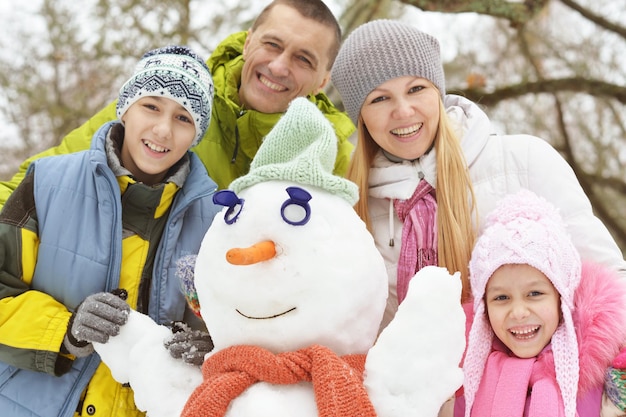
<point x="296" y="209"/>
<point x="228" y="198"/>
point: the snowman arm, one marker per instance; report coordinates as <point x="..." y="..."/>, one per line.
<point x="115" y="353"/>
<point x="137" y="355"/>
<point x="413" y="368"/>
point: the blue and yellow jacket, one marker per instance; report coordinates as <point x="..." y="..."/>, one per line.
<point x="72" y="228"/>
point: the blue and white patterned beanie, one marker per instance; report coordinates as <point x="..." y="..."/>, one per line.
<point x="174" y="72"/>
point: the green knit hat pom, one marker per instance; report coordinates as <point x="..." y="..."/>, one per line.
<point x="301" y="148"/>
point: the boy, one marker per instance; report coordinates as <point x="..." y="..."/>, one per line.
<point x="81" y="225"/>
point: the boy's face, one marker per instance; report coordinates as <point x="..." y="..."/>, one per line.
<point x="286" y="56"/>
<point x="158" y="133"/>
<point x="523" y="308"/>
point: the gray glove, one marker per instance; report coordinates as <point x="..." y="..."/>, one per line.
<point x="99" y="316"/>
<point x="189" y="345"/>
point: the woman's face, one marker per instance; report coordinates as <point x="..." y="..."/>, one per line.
<point x="402" y="116"/>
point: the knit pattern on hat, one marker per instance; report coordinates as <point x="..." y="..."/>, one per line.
<point x="379" y="51"/>
<point x="177" y="73"/>
<point x="300" y="148"/>
<point x="525" y="229"/>
<point x="337" y="381"/>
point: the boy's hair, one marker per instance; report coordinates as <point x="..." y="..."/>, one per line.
<point x="525" y="229"/>
<point x="311" y="9"/>
<point x="174" y="72"/>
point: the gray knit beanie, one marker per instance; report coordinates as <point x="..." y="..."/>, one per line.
<point x="379" y="51"/>
<point x="174" y="72"/>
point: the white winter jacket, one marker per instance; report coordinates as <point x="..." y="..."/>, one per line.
<point x="498" y="165"/>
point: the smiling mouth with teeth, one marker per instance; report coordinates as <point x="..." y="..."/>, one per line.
<point x="407" y="131"/>
<point x="155" y="148"/>
<point x="272" y="86"/>
<point x="525" y="333"/>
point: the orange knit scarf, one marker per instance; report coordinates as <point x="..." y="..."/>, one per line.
<point x="337" y="381"/>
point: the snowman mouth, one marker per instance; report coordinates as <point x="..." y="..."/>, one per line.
<point x="266" y="317"/>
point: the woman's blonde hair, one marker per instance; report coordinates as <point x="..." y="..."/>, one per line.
<point x="454" y="191"/>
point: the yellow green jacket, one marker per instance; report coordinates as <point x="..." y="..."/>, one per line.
<point x="234" y="135"/>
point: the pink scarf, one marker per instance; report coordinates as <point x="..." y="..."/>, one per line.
<point x="419" y="234"/>
<point x="515" y="387"/>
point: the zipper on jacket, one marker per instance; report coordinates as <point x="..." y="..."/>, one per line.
<point x="391" y="242"/>
<point x="236" y="150"/>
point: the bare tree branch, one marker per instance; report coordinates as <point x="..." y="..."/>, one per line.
<point x="365" y="11"/>
<point x="598" y="204"/>
<point x="576" y="84"/>
<point x="616" y="184"/>
<point x="598" y="20"/>
<point x="516" y="13"/>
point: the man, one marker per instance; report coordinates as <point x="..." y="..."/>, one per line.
<point x="288" y="52"/>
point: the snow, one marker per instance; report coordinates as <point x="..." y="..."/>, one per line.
<point x="328" y="270"/>
<point x="137" y="356"/>
<point x="412" y="365"/>
<point x="326" y="285"/>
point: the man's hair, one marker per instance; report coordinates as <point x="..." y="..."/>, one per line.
<point x="311" y="9"/>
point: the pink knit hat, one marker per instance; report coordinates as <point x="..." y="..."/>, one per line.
<point x="525" y="229"/>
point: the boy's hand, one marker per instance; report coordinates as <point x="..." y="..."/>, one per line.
<point x="189" y="345"/>
<point x="97" y="318"/>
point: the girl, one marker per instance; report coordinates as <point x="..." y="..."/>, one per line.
<point x="546" y="326"/>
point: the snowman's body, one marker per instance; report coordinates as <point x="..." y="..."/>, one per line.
<point x="326" y="285"/>
<point x="337" y="301"/>
<point x="267" y="400"/>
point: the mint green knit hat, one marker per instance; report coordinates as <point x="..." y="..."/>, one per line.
<point x="300" y="148"/>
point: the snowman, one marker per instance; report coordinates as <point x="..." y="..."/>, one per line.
<point x="292" y="289"/>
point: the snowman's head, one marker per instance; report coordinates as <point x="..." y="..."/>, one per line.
<point x="288" y="263"/>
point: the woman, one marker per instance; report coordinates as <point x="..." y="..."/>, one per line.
<point x="429" y="165"/>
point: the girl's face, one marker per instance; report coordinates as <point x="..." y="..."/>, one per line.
<point x="158" y="132"/>
<point x="523" y="308"/>
<point x="402" y="116"/>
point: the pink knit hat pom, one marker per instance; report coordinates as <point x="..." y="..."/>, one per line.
<point x="522" y="205"/>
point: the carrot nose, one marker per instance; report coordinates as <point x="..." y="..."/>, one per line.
<point x="258" y="252"/>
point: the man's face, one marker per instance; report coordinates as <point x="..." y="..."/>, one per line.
<point x="286" y="57"/>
